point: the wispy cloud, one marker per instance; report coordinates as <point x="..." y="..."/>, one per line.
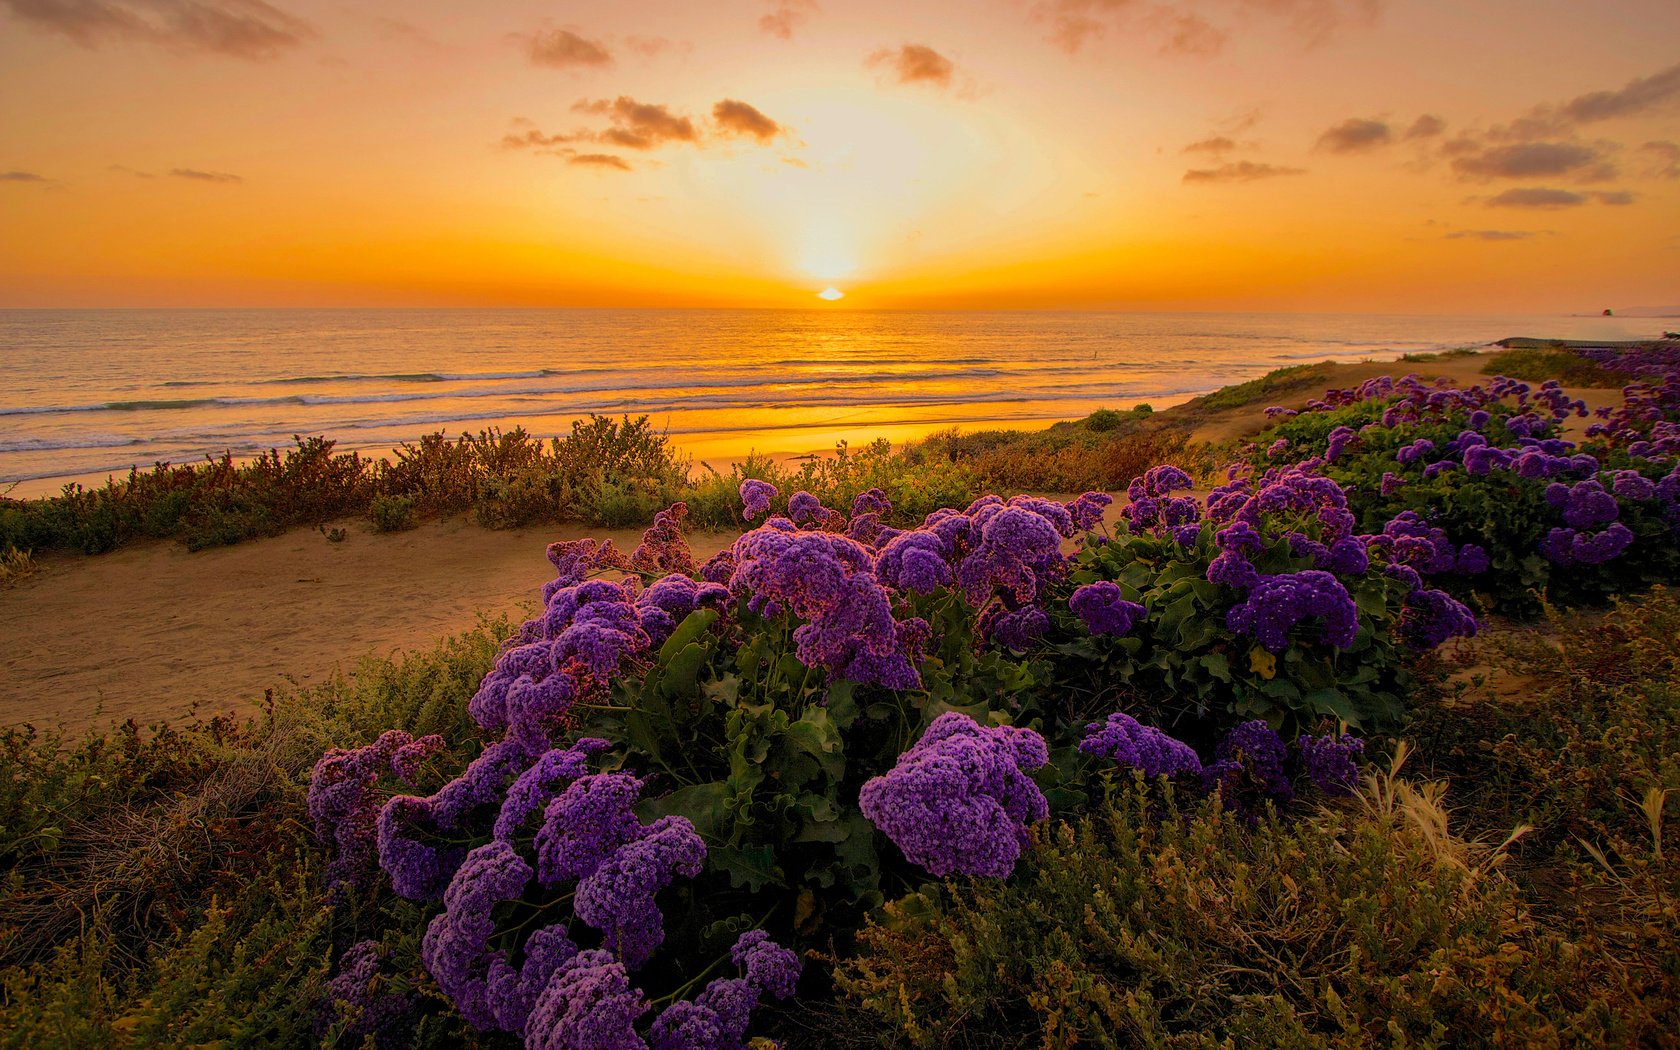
<point x="598" y="160"/>
<point x="1489" y="235"/>
<point x="1197" y="29"/>
<point x="1216" y="146"/>
<point x="1355" y="135"/>
<point x="1426" y="127"/>
<point x="1639" y="95"/>
<point x="734" y="117"/>
<point x="1239" y="171"/>
<point x="21" y="176"/>
<point x="1531" y="160"/>
<point x="195" y="175"/>
<point x="564" y="49"/>
<point x="250" y="29"/>
<point x="786" y="16"/>
<point x="914" y="64"/>
<point x="1662" y="160"/>
<point x="1548" y="198"/>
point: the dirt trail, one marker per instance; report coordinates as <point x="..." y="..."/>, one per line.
<point x="149" y="631"/>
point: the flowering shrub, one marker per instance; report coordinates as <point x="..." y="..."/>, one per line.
<point x="678" y="750"/>
<point x="1479" y="492"/>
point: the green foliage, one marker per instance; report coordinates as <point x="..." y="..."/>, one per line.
<point x="392" y="513"/>
<point x="1536" y="364"/>
<point x="1274" y="384"/>
<point x="1188" y="671"/>
<point x="1146" y="925"/>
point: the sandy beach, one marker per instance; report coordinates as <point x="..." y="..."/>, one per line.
<point x="212" y="630"/>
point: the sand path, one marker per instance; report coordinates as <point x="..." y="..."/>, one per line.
<point x="151" y="631"/>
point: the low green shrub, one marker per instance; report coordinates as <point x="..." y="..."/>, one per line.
<point x="392" y="513"/>
<point x="1537" y="365"/>
<point x="1147" y="924"/>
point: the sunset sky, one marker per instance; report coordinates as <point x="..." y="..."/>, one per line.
<point x="1339" y="155"/>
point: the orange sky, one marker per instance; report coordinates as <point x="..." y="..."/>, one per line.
<point x="1421" y="156"/>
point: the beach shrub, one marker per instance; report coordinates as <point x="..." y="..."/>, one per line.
<point x="1567" y="366"/>
<point x="16" y="565"/>
<point x="1439" y="469"/>
<point x="392" y="513"/>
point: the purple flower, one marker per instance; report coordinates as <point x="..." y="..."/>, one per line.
<point x="958" y="802"/>
<point x="771" y="967"/>
<point x="547" y="777"/>
<point x="803" y="507"/>
<point x="1250" y="766"/>
<point x="1431" y="617"/>
<point x="756" y="496"/>
<point x="914" y="561"/>
<point x="1104" y="608"/>
<point x="587" y="1005"/>
<point x="663" y="548"/>
<point x="1588" y="505"/>
<point x="456" y="948"/>
<point x="1632" y="485"/>
<point x="1231" y="569"/>
<point x="871" y="501"/>
<point x="1277" y="603"/>
<point x="1087" y="510"/>
<point x="513" y="992"/>
<point x="1008" y="628"/>
<point x="1019" y="550"/>
<point x="585" y="825"/>
<point x="418" y="871"/>
<point x="617" y="897"/>
<point x="1332" y="764"/>
<point x="1130" y="743"/>
<point x="408" y="759"/>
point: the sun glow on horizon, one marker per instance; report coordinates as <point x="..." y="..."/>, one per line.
<point x="831" y="294"/>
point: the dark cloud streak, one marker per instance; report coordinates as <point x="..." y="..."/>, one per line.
<point x="734" y="117"/>
<point x="1355" y="135"/>
<point x="914" y="64"/>
<point x="249" y="29"/>
<point x="1239" y="171"/>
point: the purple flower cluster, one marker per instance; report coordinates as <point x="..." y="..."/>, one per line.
<point x="1130" y="743"/>
<point x="1249" y="767"/>
<point x="1276" y="604"/>
<point x="755" y="498"/>
<point x="960" y="800"/>
<point x="1104" y="609"/>
<point x="342" y="803"/>
<point x="355" y="1003"/>
<point x="663" y="548"/>
<point x="1154" y="508"/>
<point x="1332" y="763"/>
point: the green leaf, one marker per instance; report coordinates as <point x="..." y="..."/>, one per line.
<point x="753" y="867"/>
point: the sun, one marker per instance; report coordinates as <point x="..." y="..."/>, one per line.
<point x="831" y="294"/>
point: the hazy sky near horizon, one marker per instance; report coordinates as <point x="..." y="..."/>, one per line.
<point x="1360" y="155"/>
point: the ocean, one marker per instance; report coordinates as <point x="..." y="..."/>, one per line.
<point x="84" y="393"/>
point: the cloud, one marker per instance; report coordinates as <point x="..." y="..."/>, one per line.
<point x="1529" y="160"/>
<point x="1489" y="235"/>
<point x="564" y="49"/>
<point x="1426" y="127"/>
<point x="1240" y="171"/>
<point x="194" y="175"/>
<point x="598" y="160"/>
<point x="648" y="46"/>
<point x="21" y="176"/>
<point x="1176" y="28"/>
<point x="914" y="64"/>
<point x="1664" y="162"/>
<point x="1215" y="146"/>
<point x="1355" y="135"/>
<point x="1637" y="96"/>
<point x="250" y="29"/>
<point x="639" y="125"/>
<point x="1537" y="197"/>
<point x="787" y="16"/>
<point x="1548" y="198"/>
<point x="734" y="117"/>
